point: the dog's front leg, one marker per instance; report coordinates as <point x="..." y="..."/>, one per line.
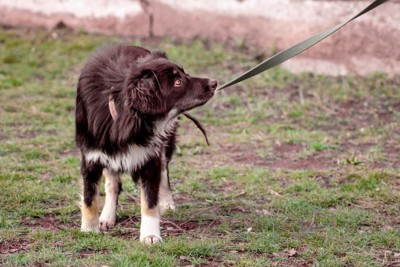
<point x="113" y="189"/>
<point x="165" y="200"/>
<point x="91" y="173"/>
<point x="150" y="177"/>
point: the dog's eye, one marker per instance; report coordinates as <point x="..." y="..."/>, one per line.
<point x="178" y="82"/>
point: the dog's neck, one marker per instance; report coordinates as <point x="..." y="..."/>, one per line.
<point x="114" y="113"/>
<point x="171" y="116"/>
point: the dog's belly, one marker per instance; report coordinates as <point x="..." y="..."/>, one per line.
<point x="127" y="162"/>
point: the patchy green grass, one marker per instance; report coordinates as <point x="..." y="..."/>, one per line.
<point x="303" y="169"/>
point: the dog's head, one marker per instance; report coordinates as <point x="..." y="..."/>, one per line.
<point x="155" y="86"/>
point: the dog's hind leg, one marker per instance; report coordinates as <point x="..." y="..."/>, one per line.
<point x="165" y="199"/>
<point x="150" y="176"/>
<point x="113" y="189"/>
<point x="91" y="173"/>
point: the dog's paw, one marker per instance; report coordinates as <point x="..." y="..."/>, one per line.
<point x="150" y="230"/>
<point x="106" y="223"/>
<point x="166" y="202"/>
<point x="164" y="206"/>
<point x="94" y="229"/>
<point x="91" y="225"/>
<point x="150" y="239"/>
<point x="107" y="218"/>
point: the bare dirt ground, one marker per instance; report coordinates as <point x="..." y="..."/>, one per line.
<point x="367" y="45"/>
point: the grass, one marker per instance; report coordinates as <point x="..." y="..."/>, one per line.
<point x="303" y="168"/>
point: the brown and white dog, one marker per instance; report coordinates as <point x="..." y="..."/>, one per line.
<point x="127" y="107"/>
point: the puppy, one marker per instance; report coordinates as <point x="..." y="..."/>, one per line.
<point x="127" y="107"/>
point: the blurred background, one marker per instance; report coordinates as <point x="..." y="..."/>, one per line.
<point x="367" y="45"/>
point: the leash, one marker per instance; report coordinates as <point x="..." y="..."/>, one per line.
<point x="296" y="49"/>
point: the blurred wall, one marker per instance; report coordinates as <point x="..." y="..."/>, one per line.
<point x="367" y="45"/>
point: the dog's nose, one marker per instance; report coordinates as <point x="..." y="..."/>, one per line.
<point x="213" y="84"/>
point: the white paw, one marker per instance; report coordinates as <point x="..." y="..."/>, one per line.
<point x="88" y="229"/>
<point x="150" y="230"/>
<point x="106" y="222"/>
<point x="150" y="239"/>
<point x="164" y="206"/>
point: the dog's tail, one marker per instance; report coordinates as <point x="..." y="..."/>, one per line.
<point x="198" y="124"/>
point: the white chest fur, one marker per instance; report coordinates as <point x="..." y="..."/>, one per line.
<point x="135" y="156"/>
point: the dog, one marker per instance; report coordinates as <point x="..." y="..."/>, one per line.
<point x="127" y="107"/>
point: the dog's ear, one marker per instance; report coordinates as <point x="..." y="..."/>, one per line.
<point x="144" y="93"/>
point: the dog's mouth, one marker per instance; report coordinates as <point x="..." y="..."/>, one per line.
<point x="203" y="99"/>
<point x="194" y="104"/>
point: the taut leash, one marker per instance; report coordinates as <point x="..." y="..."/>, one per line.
<point x="296" y="49"/>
